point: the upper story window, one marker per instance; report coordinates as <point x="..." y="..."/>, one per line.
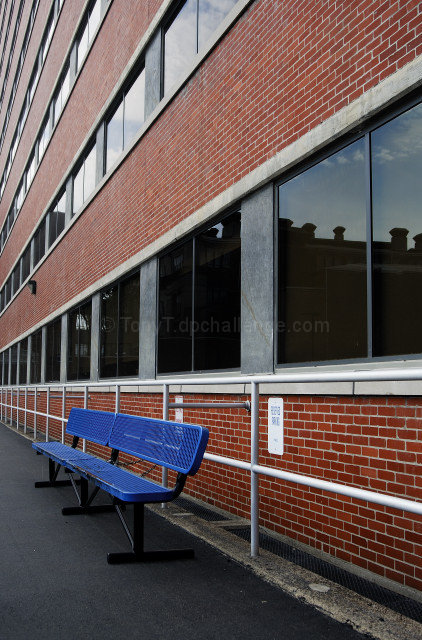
<point x="79" y="343"/>
<point x="26" y="263"/>
<point x="6" y="367"/>
<point x="88" y="31"/>
<point x="61" y="95"/>
<point x="119" y="348"/>
<point x="57" y="219"/>
<point x="188" y="31"/>
<point x="85" y="178"/>
<point x="126" y="120"/>
<point x="199" y="301"/>
<point x="39" y="243"/>
<point x="326" y="260"/>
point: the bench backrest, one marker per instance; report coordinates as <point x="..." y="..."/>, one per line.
<point x="92" y="425"/>
<point x="173" y="445"/>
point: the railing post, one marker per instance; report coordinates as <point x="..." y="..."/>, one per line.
<point x="25" y="424"/>
<point x="1" y="405"/>
<point x="35" y="412"/>
<point x="18" y="396"/>
<point x="47" y="420"/>
<point x="85" y="407"/>
<point x="117" y="399"/>
<point x="63" y="410"/>
<point x="164" y="474"/>
<point x="254" y="475"/>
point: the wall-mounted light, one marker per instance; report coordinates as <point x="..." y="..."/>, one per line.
<point x="32" y="284"/>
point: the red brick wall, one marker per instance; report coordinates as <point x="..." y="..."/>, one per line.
<point x="369" y="443"/>
<point x="281" y="70"/>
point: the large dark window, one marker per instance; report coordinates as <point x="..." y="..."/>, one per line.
<point x="322" y="261"/>
<point x="199" y="301"/>
<point x="79" y="343"/>
<point x="53" y="351"/>
<point x="36" y="348"/>
<point x="23" y="361"/>
<point x="330" y="306"/>
<point x="188" y="31"/>
<point x="6" y="367"/>
<point x="397" y="235"/>
<point x="13" y="364"/>
<point x="120" y="329"/>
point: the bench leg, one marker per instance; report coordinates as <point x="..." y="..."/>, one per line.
<point x="53" y="471"/>
<point x="85" y="500"/>
<point x="137" y="540"/>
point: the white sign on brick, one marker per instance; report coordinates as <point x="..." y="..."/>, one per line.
<point x="275" y="426"/>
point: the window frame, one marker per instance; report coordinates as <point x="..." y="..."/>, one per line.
<point x="360" y="131"/>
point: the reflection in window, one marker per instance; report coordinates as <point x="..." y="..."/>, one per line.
<point x="79" y="343"/>
<point x="16" y="278"/>
<point x="36" y="345"/>
<point x="120" y="329"/>
<point x="53" y="351"/>
<point x="397" y="234"/>
<point x="322" y="261"/>
<point x="126" y="120"/>
<point x="210" y="14"/>
<point x="114" y="136"/>
<point x="57" y="219"/>
<point x="13" y="364"/>
<point x="207" y="335"/>
<point x="6" y="366"/>
<point x="39" y="243"/>
<point x="26" y="263"/>
<point x="23" y="361"/>
<point x="85" y="179"/>
<point x="180" y="44"/>
<point x="188" y="32"/>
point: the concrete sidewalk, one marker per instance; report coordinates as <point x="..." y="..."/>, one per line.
<point x="55" y="580"/>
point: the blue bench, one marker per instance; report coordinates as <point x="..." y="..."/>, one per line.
<point x="176" y="446"/>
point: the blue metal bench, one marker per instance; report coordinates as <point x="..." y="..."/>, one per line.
<point x="173" y="445"/>
<point x="94" y="426"/>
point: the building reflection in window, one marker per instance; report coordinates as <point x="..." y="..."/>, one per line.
<point x="397" y="234"/>
<point x="322" y="261"/>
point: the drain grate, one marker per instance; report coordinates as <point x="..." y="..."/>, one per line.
<point x="199" y="510"/>
<point x="395" y="601"/>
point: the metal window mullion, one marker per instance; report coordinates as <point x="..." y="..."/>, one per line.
<point x="368" y="197"/>
<point x="118" y="331"/>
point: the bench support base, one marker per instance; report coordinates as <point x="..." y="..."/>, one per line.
<point x="96" y="508"/>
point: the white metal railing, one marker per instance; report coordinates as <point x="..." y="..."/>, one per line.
<point x="252" y="388"/>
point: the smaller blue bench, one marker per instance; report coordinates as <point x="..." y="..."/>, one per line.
<point x="176" y="446"/>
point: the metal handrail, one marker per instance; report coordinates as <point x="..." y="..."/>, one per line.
<point x="253" y="382"/>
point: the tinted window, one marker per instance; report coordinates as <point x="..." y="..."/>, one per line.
<point x="78" y="189"/>
<point x="397" y="234"/>
<point x="217" y="296"/>
<point x="322" y="261"/>
<point x="120" y="329"/>
<point x="36" y="343"/>
<point x="39" y="243"/>
<point x="23" y="361"/>
<point x="53" y="351"/>
<point x="175" y="310"/>
<point x="199" y="310"/>
<point x="79" y="343"/>
<point x="13" y="364"/>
